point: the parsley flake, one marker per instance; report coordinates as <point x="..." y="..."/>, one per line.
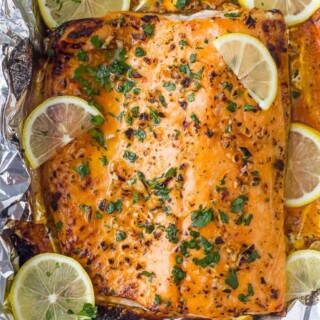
<point x="131" y="156"/>
<point x="148" y="30"/>
<point x="232" y="279"/>
<point x="178" y="275"/>
<point x="201" y="217"/>
<point x="83" y="169"/>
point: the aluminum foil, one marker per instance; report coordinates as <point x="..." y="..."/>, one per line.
<point x="20" y="40"/>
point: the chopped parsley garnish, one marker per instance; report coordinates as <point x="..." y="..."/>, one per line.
<point x="140" y="134"/>
<point x="162" y="101"/>
<point x="136" y="91"/>
<point x="232" y="107"/>
<point x="148" y="274"/>
<point x="88" y="310"/>
<point x="148" y="30"/>
<point x="127" y="86"/>
<point x="169" y="86"/>
<point x="172" y="231"/>
<point x="178" y="275"/>
<point x="154" y="115"/>
<point x="190" y="97"/>
<point x="194" y="234"/>
<point x="181" y="4"/>
<point x="247" y="221"/>
<point x="157" y="300"/>
<point x="84" y="207"/>
<point x="141" y="176"/>
<point x="131" y="156"/>
<point x="149" y="228"/>
<point x="177" y="134"/>
<point x="232" y="279"/>
<point x="210" y="259"/>
<point x="114" y="206"/>
<point x="250" y="290"/>
<point x="179" y="259"/>
<point x="140" y="52"/>
<point x="194" y="118"/>
<point x="98" y="215"/>
<point x="185" y="68"/>
<point x="121" y="236"/>
<point x="135" y="198"/>
<point x="97" y="120"/>
<point x="227" y="85"/>
<point x="59" y="225"/>
<point x="295" y="94"/>
<point x="243" y="298"/>
<point x="98" y="136"/>
<point x="247" y="107"/>
<point x="207" y="246"/>
<point x="171" y="173"/>
<point x="201" y="217"/>
<point x="135" y="112"/>
<point x="224" y="217"/>
<point x="83" y="169"/>
<point x="197" y="86"/>
<point x="254" y="256"/>
<point x="185" y="245"/>
<point x="81" y="56"/>
<point x="193" y="57"/>
<point x="237" y="205"/>
<point x="182" y="43"/>
<point x="104" y="160"/>
<point x="96" y="41"/>
<point x="102" y="74"/>
<point x="232" y="14"/>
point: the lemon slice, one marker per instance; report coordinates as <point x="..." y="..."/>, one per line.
<point x="55" y="12"/>
<point x="252" y="63"/>
<point x="52" y="286"/>
<point x="294" y="11"/>
<point x="302" y="269"/>
<point x="302" y="184"/>
<point x="53" y="124"/>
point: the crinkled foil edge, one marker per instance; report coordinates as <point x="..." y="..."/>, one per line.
<point x="20" y="41"/>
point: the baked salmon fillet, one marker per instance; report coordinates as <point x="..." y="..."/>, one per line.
<point x="305" y="100"/>
<point x="175" y="203"/>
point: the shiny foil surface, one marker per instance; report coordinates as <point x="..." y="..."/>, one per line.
<point x="21" y="40"/>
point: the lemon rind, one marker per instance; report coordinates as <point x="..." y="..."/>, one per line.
<point x="33" y="262"/>
<point x="308" y="198"/>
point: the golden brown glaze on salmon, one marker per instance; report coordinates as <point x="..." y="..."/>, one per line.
<point x="305" y="100"/>
<point x="176" y="201"/>
<point x="181" y="5"/>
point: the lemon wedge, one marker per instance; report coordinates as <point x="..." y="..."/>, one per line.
<point x="54" y="123"/>
<point x="302" y="269"/>
<point x="294" y="11"/>
<point x="52" y="286"/>
<point x="252" y="63"/>
<point x="55" y="12"/>
<point x="302" y="183"/>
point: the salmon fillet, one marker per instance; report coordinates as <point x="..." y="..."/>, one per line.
<point x="305" y="100"/>
<point x="175" y="203"/>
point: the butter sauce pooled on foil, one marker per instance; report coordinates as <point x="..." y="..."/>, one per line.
<point x="19" y="30"/>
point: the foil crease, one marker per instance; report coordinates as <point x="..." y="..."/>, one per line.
<point x="20" y="38"/>
<point x="19" y="34"/>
